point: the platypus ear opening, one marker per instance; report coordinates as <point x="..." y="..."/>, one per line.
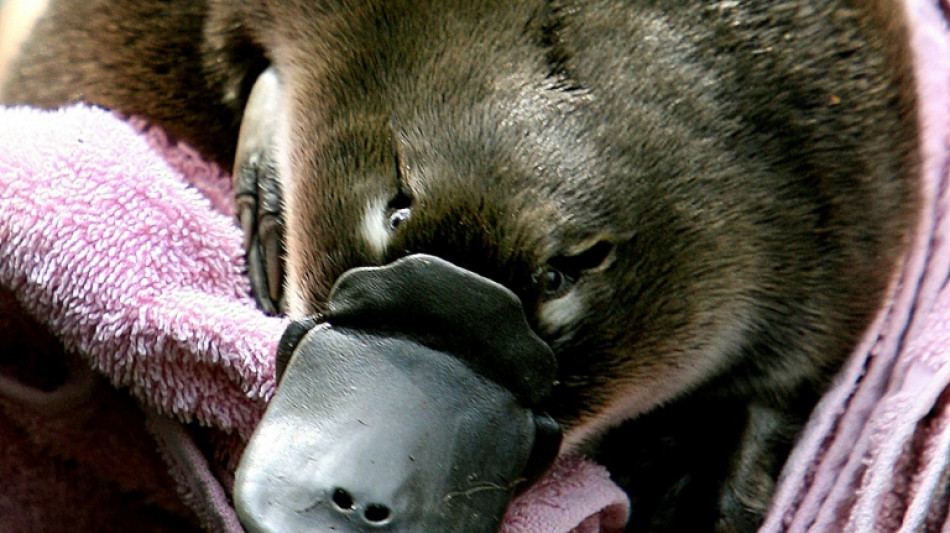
<point x="289" y="341"/>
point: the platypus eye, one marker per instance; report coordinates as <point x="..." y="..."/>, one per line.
<point x="400" y="206"/>
<point x="399" y="209"/>
<point x="562" y="271"/>
<point x="397" y="217"/>
<point x="555" y="283"/>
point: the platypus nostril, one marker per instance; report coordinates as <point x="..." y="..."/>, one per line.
<point x="343" y="500"/>
<point x="376" y="513"/>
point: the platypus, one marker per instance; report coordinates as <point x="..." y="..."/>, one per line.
<point x="698" y="206"/>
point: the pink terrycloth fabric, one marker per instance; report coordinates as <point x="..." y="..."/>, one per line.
<point x="109" y="251"/>
<point x="575" y="493"/>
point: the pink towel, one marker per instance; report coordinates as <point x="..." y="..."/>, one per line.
<point x="122" y="246"/>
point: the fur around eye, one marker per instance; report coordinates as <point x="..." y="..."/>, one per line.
<point x="561" y="272"/>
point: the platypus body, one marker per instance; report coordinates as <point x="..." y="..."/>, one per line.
<point x="698" y="205"/>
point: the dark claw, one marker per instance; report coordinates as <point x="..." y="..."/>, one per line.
<point x="270" y="232"/>
<point x="245" y="210"/>
<point x="257" y="193"/>
<point x="255" y="269"/>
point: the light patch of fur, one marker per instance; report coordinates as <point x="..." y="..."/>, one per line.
<point x="374" y="228"/>
<point x="16" y="20"/>
<point x="295" y="295"/>
<point x="561" y="312"/>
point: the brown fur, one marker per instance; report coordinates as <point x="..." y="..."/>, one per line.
<point x="729" y="184"/>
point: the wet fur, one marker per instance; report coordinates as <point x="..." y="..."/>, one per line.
<point x="748" y="169"/>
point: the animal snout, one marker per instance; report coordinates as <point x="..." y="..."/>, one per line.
<point x="376" y="433"/>
<point x="392" y="413"/>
